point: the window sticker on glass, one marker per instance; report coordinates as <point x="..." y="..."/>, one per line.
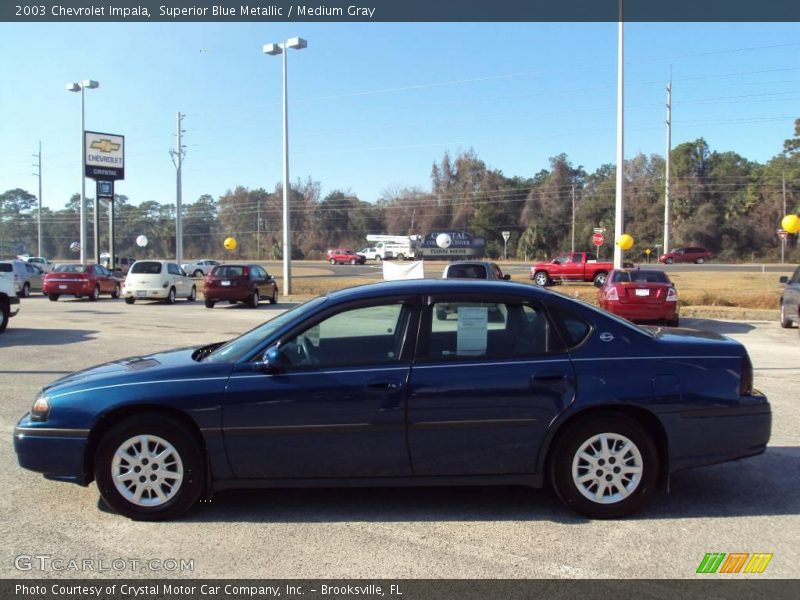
<point x="472" y="330"/>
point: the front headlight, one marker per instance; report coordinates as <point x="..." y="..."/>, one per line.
<point x="41" y="408"/>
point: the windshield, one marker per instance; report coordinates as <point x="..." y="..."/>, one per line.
<point x="71" y="269"/>
<point x="247" y="342"/>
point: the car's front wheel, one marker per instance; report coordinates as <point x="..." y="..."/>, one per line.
<point x="254" y="297"/>
<point x="669" y="260"/>
<point x="53" y="297"/>
<point x="149" y="468"/>
<point x="115" y="293"/>
<point x="333" y="261"/>
<point x="541" y="279"/>
<point x="26" y="291"/>
<point x="129" y="299"/>
<point x="604" y="467"/>
<point x="95" y="295"/>
<point x="700" y="260"/>
<point x="785" y="321"/>
<point x="171" y="296"/>
<point x="197" y="273"/>
<point x="274" y="298"/>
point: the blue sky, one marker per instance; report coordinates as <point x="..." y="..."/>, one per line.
<point x="372" y="106"/>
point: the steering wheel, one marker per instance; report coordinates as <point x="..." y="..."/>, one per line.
<point x="308" y="351"/>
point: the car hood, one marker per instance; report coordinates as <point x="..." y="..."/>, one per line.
<point x="174" y="363"/>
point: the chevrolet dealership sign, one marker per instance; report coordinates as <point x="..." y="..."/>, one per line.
<point x="105" y="155"/>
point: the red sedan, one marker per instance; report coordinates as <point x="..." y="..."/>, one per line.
<point x="640" y="296"/>
<point x="79" y="281"/>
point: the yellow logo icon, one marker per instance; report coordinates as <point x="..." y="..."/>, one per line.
<point x="104" y="145"/>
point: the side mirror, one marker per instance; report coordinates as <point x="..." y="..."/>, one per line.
<point x="506" y="277"/>
<point x="784" y="280"/>
<point x="272" y="361"/>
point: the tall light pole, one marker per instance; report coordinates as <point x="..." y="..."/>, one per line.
<point x="619" y="210"/>
<point x="666" y="169"/>
<point x="79" y="87"/>
<point x="273" y="50"/>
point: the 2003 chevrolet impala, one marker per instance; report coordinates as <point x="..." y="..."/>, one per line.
<point x="441" y="382"/>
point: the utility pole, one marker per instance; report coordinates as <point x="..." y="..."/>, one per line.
<point x="783" y="238"/>
<point x="619" y="208"/>
<point x="666" y="168"/>
<point x="573" y="218"/>
<point x="258" y="230"/>
<point x="177" y="159"/>
<point x="38" y="174"/>
<point x="414" y="215"/>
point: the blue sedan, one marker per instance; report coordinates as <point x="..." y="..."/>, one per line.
<point x="425" y="382"/>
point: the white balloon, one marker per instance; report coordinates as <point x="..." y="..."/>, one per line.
<point x="141" y="241"/>
<point x="74" y="246"/>
<point x="443" y="240"/>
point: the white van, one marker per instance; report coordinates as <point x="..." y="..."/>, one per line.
<point x="157" y="280"/>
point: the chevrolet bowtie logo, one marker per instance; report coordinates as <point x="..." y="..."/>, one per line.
<point x="104" y="145"/>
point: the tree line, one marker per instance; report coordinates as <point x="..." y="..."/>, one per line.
<point x="720" y="200"/>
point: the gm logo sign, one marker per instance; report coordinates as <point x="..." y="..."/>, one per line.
<point x="735" y="562"/>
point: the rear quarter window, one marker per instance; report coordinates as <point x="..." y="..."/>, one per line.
<point x="572" y="329"/>
<point x="6" y="268"/>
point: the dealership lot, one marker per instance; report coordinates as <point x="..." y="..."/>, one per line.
<point x="746" y="506"/>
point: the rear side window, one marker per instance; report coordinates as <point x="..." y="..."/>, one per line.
<point x="228" y="271"/>
<point x="572" y="329"/>
<point x="6" y="268"/>
<point x="147" y="267"/>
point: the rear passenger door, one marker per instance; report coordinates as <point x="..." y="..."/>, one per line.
<point x="487" y="380"/>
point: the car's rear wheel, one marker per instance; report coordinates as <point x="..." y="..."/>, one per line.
<point x="25" y="292"/>
<point x="171" y="296"/>
<point x="674" y="322"/>
<point x="786" y="322"/>
<point x="210" y="303"/>
<point x="401" y="256"/>
<point x="149" y="468"/>
<point x="254" y="297"/>
<point x="5" y="312"/>
<point x="197" y="273"/>
<point x="53" y="297"/>
<point x="600" y="278"/>
<point x="604" y="467"/>
<point x="130" y="300"/>
<point x="192" y="295"/>
<point x="115" y="293"/>
<point x="95" y="295"/>
<point x="541" y="279"/>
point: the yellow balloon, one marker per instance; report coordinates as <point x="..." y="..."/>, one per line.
<point x="229" y="243"/>
<point x="791" y="223"/>
<point x="625" y="241"/>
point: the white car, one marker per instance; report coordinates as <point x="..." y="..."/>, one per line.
<point x="40" y="261"/>
<point x="200" y="268"/>
<point x="157" y="280"/>
<point x="370" y="253"/>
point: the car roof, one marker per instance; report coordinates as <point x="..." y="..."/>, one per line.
<point x="439" y="286"/>
<point x="470" y="262"/>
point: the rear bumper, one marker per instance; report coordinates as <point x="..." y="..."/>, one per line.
<point x="644" y="312"/>
<point x="55" y="453"/>
<point x="232" y="293"/>
<point x="72" y="287"/>
<point x="714" y="435"/>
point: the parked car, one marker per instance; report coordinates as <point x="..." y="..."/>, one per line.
<point x="25" y="277"/>
<point x="200" y="268"/>
<point x="689" y="254"/>
<point x="44" y="265"/>
<point x="790" y="299"/>
<point x="366" y="386"/>
<point x="122" y="264"/>
<point x="9" y="301"/>
<point x="474" y="269"/>
<point x="640" y="295"/>
<point x="370" y="254"/>
<point x="81" y="280"/>
<point x="240" y="283"/>
<point x="158" y="280"/>
<point x="343" y="257"/>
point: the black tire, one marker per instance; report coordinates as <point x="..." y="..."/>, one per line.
<point x="786" y="322"/>
<point x="5" y="315"/>
<point x="232" y="301"/>
<point x="210" y="303"/>
<point x="186" y="449"/>
<point x="700" y="261"/>
<point x="115" y="293"/>
<point x="192" y="295"/>
<point x="401" y="256"/>
<point x="53" y="297"/>
<point x="676" y="322"/>
<point x="171" y="296"/>
<point x="274" y="298"/>
<point x="541" y="278"/>
<point x="378" y="258"/>
<point x="576" y="438"/>
<point x="353" y="261"/>
<point x="254" y="298"/>
<point x="95" y="295"/>
<point x="197" y="273"/>
<point x="669" y="260"/>
<point x="600" y="278"/>
<point x="25" y="292"/>
<point x="332" y="261"/>
<point x="130" y="300"/>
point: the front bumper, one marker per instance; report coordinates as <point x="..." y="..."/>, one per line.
<point x="56" y="453"/>
<point x="13" y="305"/>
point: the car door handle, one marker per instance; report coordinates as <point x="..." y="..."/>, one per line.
<point x="384" y="385"/>
<point x="549" y="376"/>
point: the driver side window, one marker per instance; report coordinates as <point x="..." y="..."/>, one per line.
<point x="360" y="336"/>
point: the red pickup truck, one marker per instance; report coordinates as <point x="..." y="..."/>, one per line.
<point x="572" y="266"/>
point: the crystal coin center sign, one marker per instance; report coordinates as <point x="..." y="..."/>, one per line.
<point x="105" y="156"/>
